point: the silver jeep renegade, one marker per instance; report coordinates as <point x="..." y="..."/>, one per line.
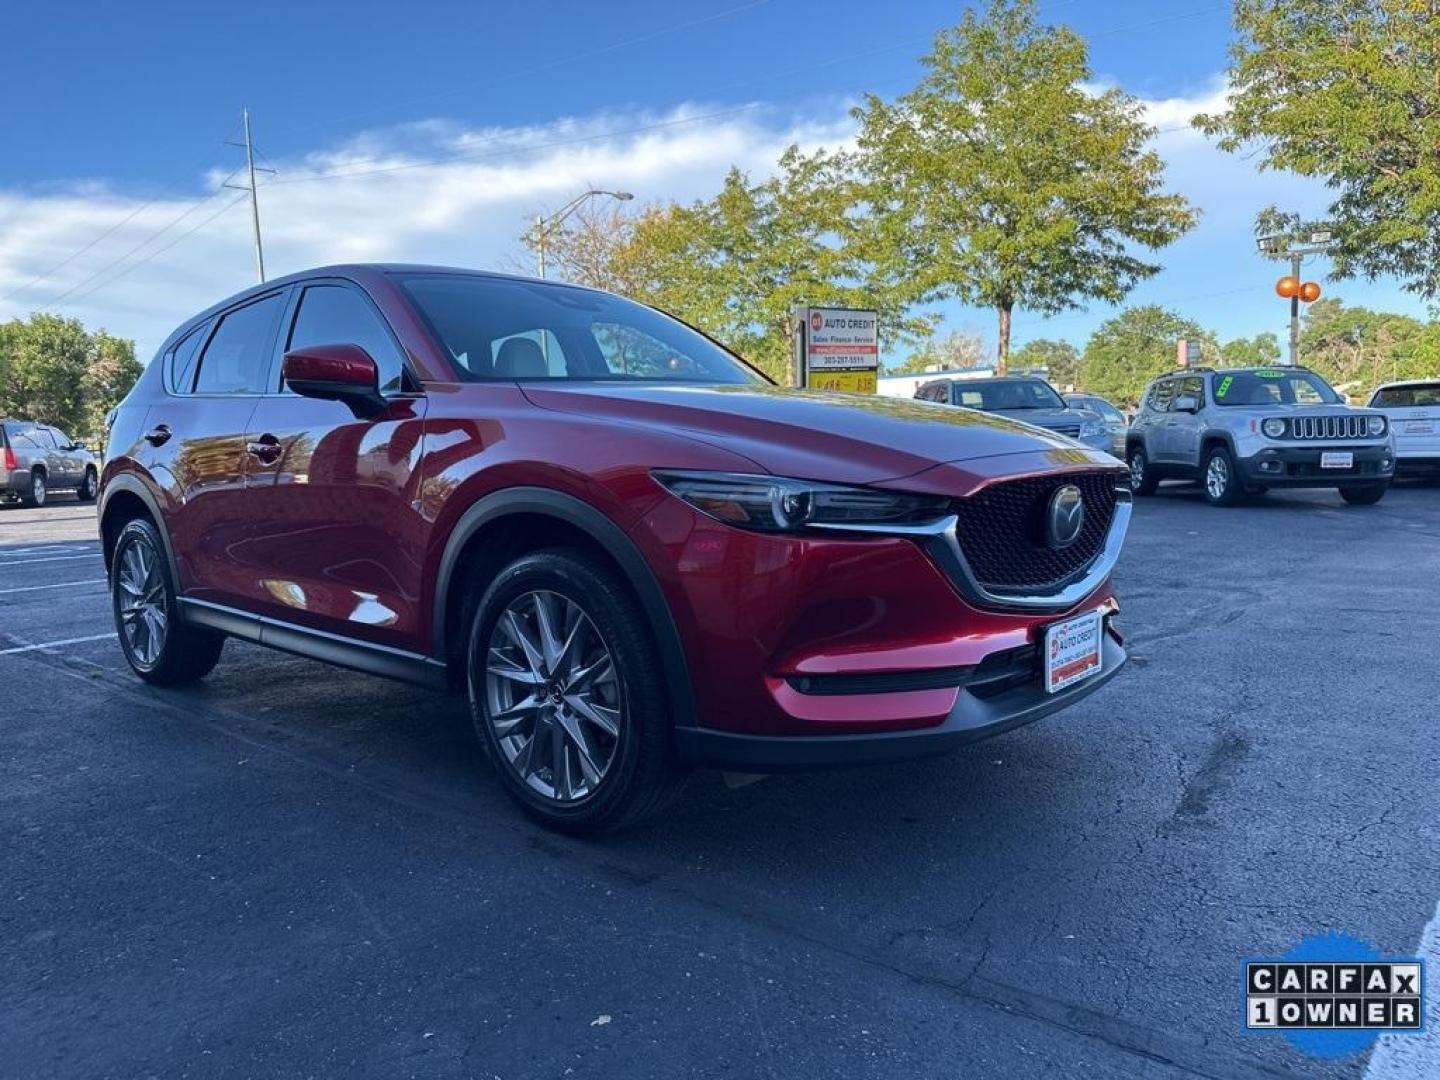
<point x="1245" y="430"/>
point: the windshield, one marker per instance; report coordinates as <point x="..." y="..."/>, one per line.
<point x="1003" y="394"/>
<point x="1401" y="396"/>
<point x="1271" y="386"/>
<point x="496" y="328"/>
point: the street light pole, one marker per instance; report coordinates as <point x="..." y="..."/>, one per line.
<point x="1284" y="246"/>
<point x="545" y="226"/>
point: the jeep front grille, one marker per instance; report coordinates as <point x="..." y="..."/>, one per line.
<point x="1329" y="427"/>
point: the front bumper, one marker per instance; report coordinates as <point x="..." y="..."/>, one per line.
<point x="976" y="714"/>
<point x="1299" y="466"/>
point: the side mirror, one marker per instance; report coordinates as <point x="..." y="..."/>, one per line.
<point x="335" y="373"/>
<point x="1186" y="403"/>
<point x="79" y="444"/>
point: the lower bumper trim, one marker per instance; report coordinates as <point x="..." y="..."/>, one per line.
<point x="971" y="719"/>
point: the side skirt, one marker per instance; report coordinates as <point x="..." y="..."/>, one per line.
<point x="363" y="656"/>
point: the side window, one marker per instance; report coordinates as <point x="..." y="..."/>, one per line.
<point x="338" y="315"/>
<point x="238" y="356"/>
<point x="61" y="439"/>
<point x="45" y="438"/>
<point x="1162" y="395"/>
<point x="180" y="360"/>
<point x="971" y="399"/>
<point x="1193" y="385"/>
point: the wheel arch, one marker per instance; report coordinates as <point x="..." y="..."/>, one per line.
<point x="1213" y="438"/>
<point x="504" y="510"/>
<point x="125" y="498"/>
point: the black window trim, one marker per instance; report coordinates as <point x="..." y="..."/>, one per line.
<point x="204" y="327"/>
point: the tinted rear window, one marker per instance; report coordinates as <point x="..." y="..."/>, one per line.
<point x="1401" y="396"/>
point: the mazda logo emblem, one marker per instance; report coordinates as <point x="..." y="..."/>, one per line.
<point x="1066" y="517"/>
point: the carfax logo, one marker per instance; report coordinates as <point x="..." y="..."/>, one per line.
<point x="1333" y="994"/>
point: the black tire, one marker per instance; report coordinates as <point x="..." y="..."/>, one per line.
<point x="185" y="653"/>
<point x="38" y="489"/>
<point x="1224" y="488"/>
<point x="1364" y="495"/>
<point x="88" y="486"/>
<point x="639" y="775"/>
<point x="1143" y="480"/>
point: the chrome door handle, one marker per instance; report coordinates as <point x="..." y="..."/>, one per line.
<point x="160" y="433"/>
<point x="266" y="448"/>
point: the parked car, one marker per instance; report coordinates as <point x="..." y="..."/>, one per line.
<point x="1245" y="430"/>
<point x="1021" y="397"/>
<point x="1413" y="409"/>
<point x="36" y="459"/>
<point x="631" y="551"/>
<point x="1114" y="420"/>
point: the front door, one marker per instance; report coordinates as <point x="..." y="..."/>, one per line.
<point x="337" y="541"/>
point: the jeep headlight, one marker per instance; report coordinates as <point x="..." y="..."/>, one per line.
<point x="1091" y="428"/>
<point x="1274" y="427"/>
<point x="1376" y="425"/>
<point x="778" y="504"/>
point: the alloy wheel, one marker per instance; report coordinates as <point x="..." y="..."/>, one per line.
<point x="553" y="695"/>
<point x="143" y="618"/>
<point x="37" y="489"/>
<point x="1137" y="470"/>
<point x="1217" y="477"/>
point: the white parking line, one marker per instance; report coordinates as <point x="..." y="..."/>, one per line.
<point x="55" y="644"/>
<point x="1406" y="1057"/>
<point x="47" y="549"/>
<point x="57" y="558"/>
<point x="58" y="585"/>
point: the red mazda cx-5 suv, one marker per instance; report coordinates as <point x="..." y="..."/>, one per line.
<point x="633" y="552"/>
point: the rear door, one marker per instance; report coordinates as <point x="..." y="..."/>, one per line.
<point x="196" y="445"/>
<point x="338" y="540"/>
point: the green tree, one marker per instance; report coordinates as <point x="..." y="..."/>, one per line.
<point x="1004" y="179"/>
<point x="1132" y="348"/>
<point x="1060" y="358"/>
<point x="51" y="369"/>
<point x="1346" y="92"/>
<point x="957" y="350"/>
<point x="1356" y="348"/>
<point x="738" y="265"/>
<point x="1258" y="351"/>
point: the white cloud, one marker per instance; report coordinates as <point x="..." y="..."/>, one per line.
<point x="466" y="212"/>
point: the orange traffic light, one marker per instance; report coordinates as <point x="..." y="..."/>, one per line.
<point x="1288" y="286"/>
<point x="1310" y="292"/>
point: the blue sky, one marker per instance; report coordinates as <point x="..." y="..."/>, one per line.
<point x="117" y="114"/>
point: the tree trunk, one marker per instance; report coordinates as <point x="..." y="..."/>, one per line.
<point x="1002" y="361"/>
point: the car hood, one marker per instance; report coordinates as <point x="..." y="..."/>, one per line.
<point x="844" y="438"/>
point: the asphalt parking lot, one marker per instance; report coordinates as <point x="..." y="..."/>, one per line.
<point x="292" y="870"/>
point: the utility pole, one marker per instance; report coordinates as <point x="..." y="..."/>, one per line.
<point x="540" y="242"/>
<point x="250" y="169"/>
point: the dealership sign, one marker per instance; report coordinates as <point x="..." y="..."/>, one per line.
<point x="838" y="349"/>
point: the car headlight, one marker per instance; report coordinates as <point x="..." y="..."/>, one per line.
<point x="1273" y="427"/>
<point x="1090" y="428"/>
<point x="1377" y="425"/>
<point x="778" y="504"/>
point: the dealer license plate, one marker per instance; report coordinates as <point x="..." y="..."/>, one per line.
<point x="1336" y="460"/>
<point x="1072" y="651"/>
<point x="1419" y="427"/>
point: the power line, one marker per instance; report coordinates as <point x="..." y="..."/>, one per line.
<point x="190" y="209"/>
<point x="161" y="250"/>
<point x="81" y="251"/>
